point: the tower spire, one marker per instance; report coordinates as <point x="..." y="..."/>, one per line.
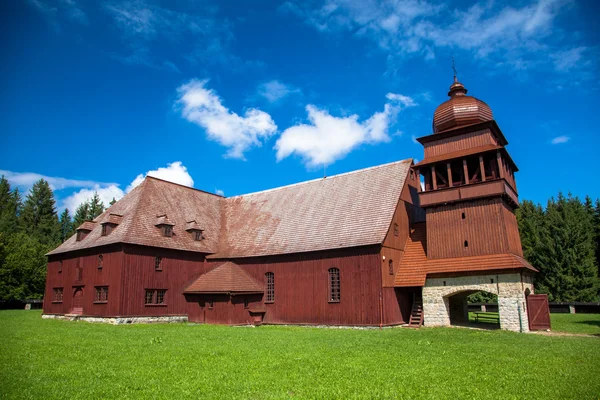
<point x="454" y="69"/>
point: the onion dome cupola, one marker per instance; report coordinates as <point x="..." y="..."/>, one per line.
<point x="460" y="110"/>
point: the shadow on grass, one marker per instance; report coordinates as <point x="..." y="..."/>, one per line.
<point x="590" y="322"/>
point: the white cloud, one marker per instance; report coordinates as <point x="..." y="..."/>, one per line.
<point x="275" y="90"/>
<point x="54" y="10"/>
<point x="174" y="172"/>
<point x="560" y="139"/>
<point x="502" y="35"/>
<point x="106" y="195"/>
<point x="203" y="107"/>
<point x="26" y="180"/>
<point x="328" y="138"/>
<point x="219" y="192"/>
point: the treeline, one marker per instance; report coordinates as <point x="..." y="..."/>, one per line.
<point x="29" y="229"/>
<point x="561" y="240"/>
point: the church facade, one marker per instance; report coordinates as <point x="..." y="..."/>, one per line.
<point x="372" y="247"/>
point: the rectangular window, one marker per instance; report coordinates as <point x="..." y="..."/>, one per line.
<point x="168" y="230"/>
<point x="57" y="295"/>
<point x="60" y="266"/>
<point x="334" y="285"/>
<point x="198" y="235"/>
<point x="104" y="230"/>
<point x="155" y="297"/>
<point x="149" y="296"/>
<point x="270" y="287"/>
<point x="100" y="261"/>
<point x="210" y="304"/>
<point x="101" y="294"/>
<point x="158" y="263"/>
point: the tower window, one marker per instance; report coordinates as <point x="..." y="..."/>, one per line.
<point x="396" y="230"/>
<point x="158" y="263"/>
<point x="463" y="215"/>
<point x="101" y="294"/>
<point x="60" y="263"/>
<point x="197" y="235"/>
<point x="168" y="230"/>
<point x="270" y="287"/>
<point x="100" y="261"/>
<point x="57" y="295"/>
<point x="466" y="243"/>
<point x="334" y="285"/>
<point x="391" y="267"/>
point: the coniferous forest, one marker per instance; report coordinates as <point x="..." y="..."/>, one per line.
<point x="561" y="240"/>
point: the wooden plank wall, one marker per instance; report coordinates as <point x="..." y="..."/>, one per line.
<point x="460" y="142"/>
<point x="302" y="287"/>
<point x="109" y="275"/>
<point x="485" y="227"/>
<point x="512" y="229"/>
<point x="179" y="269"/>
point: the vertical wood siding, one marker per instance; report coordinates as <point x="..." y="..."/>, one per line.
<point x="460" y="142"/>
<point x="486" y="227"/>
<point x="179" y="269"/>
<point x="109" y="275"/>
<point x="302" y="287"/>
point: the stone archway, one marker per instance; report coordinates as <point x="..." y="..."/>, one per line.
<point x="510" y="289"/>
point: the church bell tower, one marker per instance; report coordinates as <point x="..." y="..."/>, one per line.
<point x="470" y="193"/>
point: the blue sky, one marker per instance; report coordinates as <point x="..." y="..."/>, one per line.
<point x="236" y="99"/>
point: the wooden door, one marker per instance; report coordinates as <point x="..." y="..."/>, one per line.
<point x="77" y="307"/>
<point x="538" y="312"/>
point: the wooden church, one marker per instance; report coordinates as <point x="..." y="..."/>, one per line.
<point x="366" y="248"/>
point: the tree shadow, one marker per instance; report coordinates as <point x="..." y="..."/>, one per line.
<point x="590" y="322"/>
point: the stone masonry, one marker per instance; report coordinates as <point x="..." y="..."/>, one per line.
<point x="119" y="320"/>
<point x="440" y="294"/>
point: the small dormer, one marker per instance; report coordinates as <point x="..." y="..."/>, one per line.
<point x="110" y="223"/>
<point x="165" y="225"/>
<point x="84" y="229"/>
<point x="195" y="230"/>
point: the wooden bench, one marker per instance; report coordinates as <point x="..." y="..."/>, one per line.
<point x="487" y="317"/>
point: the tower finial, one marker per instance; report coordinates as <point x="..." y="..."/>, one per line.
<point x="454" y="69"/>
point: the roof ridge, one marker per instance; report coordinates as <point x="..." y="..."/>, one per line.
<point x="184" y="186"/>
<point x="320" y="179"/>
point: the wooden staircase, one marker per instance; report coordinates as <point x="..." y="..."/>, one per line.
<point x="416" y="314"/>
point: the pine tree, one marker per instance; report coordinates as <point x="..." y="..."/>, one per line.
<point x="597" y="233"/>
<point x="530" y="218"/>
<point x="81" y="214"/>
<point x="39" y="218"/>
<point x="66" y="225"/>
<point x="10" y="204"/>
<point x="96" y="207"/>
<point x="566" y="258"/>
<point x="22" y="267"/>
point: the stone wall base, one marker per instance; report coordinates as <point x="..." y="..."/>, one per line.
<point x="443" y="296"/>
<point x="118" y="320"/>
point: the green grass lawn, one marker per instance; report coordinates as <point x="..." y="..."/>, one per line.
<point x="576" y="323"/>
<point x="59" y="359"/>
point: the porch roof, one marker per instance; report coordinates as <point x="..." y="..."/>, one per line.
<point x="226" y="278"/>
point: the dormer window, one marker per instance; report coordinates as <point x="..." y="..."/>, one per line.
<point x="84" y="229"/>
<point x="165" y="225"/>
<point x="110" y="223"/>
<point x="195" y="230"/>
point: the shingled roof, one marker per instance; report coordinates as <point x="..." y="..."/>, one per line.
<point x="226" y="278"/>
<point x="414" y="265"/>
<point x="139" y="210"/>
<point x="347" y="210"/>
<point x="351" y="209"/>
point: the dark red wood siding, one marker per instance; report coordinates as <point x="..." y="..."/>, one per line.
<point x="179" y="269"/>
<point x="91" y="276"/>
<point x="302" y="286"/>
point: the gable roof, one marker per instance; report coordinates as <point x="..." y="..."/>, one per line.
<point x="414" y="265"/>
<point x="226" y="278"/>
<point x="347" y="210"/>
